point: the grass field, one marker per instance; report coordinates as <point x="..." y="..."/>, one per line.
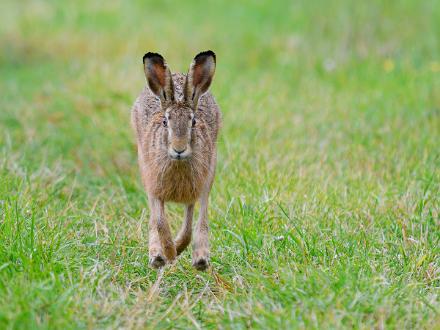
<point x="325" y="212"/>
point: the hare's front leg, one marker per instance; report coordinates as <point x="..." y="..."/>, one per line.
<point x="159" y="223"/>
<point x="156" y="257"/>
<point x="184" y="236"/>
<point x="201" y="239"/>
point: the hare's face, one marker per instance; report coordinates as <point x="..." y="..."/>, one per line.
<point x="179" y="122"/>
<point x="179" y="115"/>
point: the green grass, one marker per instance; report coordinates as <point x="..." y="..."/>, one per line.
<point x="325" y="212"/>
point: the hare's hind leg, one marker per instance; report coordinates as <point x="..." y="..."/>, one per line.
<point x="158" y="222"/>
<point x="184" y="236"/>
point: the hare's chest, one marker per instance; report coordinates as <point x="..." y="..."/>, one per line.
<point x="179" y="184"/>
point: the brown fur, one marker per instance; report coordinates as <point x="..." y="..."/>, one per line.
<point x="166" y="179"/>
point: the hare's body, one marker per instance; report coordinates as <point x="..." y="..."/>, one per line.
<point x="165" y="178"/>
<point x="176" y="121"/>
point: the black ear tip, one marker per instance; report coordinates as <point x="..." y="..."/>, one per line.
<point x="206" y="53"/>
<point x="151" y="55"/>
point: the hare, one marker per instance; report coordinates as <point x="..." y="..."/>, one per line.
<point x="176" y="121"/>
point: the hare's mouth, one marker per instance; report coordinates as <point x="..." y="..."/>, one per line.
<point x="179" y="157"/>
<point x="179" y="154"/>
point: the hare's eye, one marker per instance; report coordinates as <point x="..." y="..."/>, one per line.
<point x="165" y="123"/>
<point x="194" y="122"/>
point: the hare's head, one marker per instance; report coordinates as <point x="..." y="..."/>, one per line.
<point x="179" y="116"/>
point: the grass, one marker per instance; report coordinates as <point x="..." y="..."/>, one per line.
<point x="325" y="209"/>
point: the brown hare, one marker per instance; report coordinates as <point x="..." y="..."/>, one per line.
<point x="177" y="121"/>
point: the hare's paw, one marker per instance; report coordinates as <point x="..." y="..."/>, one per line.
<point x="156" y="259"/>
<point x="201" y="259"/>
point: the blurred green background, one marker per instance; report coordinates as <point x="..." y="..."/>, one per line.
<point x="325" y="209"/>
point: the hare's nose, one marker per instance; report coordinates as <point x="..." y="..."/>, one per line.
<point x="179" y="151"/>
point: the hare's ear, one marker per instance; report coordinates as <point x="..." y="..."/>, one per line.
<point x="159" y="78"/>
<point x="199" y="77"/>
